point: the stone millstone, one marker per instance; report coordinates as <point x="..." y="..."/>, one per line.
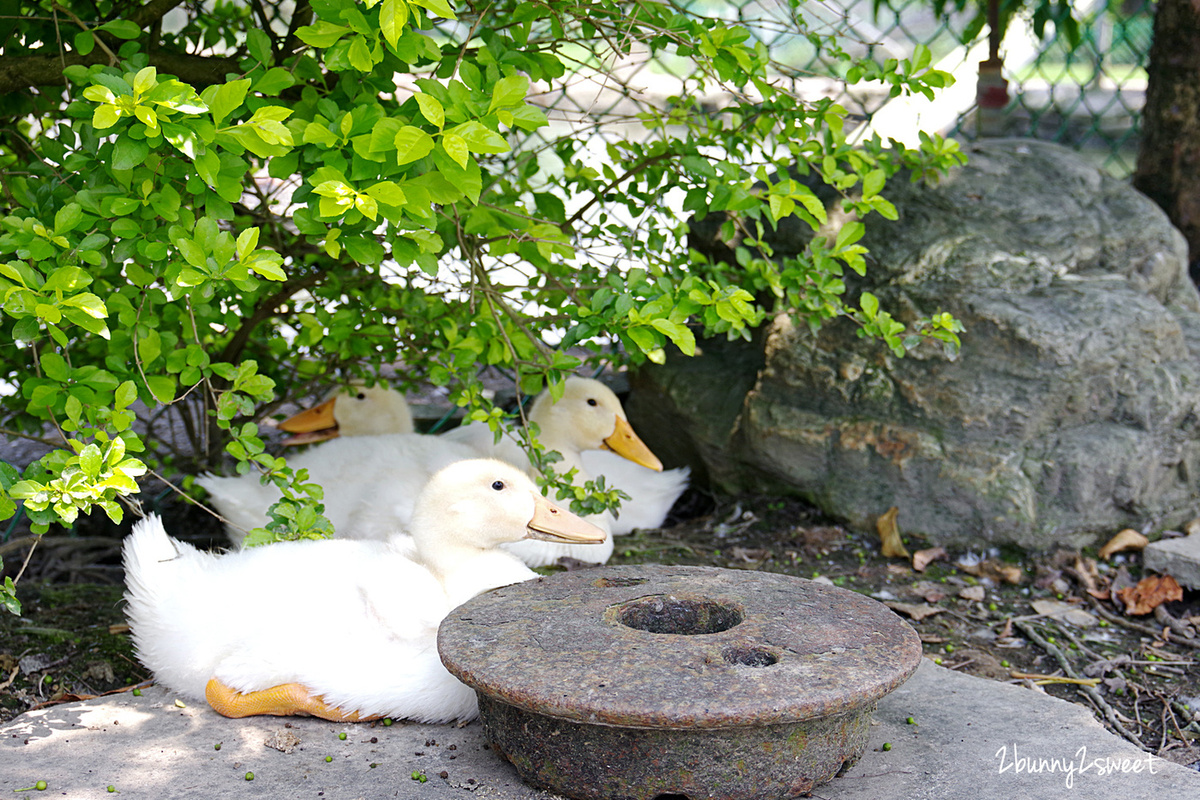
<point x="637" y="682"/>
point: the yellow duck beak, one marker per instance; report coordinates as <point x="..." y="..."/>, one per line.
<point x="624" y="442"/>
<point x="314" y="424"/>
<point x="553" y="524"/>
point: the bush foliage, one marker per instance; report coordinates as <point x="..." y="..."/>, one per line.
<point x="213" y="207"/>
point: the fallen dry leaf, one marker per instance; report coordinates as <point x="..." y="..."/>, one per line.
<point x="914" y="610"/>
<point x="283" y="740"/>
<point x="889" y="534"/>
<point x="973" y="593"/>
<point x="922" y="558"/>
<point x="1150" y="593"/>
<point x="994" y="570"/>
<point x="1128" y="539"/>
<point x="1065" y="612"/>
<point x="928" y="591"/>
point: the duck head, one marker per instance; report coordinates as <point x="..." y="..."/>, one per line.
<point x="590" y="417"/>
<point x="480" y="504"/>
<point x="356" y="410"/>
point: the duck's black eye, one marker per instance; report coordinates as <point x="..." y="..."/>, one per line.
<point x="498" y="486"/>
<point x="361" y="396"/>
<point x="591" y="401"/>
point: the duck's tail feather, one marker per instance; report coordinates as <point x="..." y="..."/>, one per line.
<point x="158" y="571"/>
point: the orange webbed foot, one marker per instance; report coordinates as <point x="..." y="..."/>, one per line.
<point x="285" y="700"/>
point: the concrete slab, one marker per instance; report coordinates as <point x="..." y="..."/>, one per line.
<point x="973" y="738"/>
<point x="1178" y="557"/>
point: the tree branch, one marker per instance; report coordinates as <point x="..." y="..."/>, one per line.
<point x="20" y="73"/>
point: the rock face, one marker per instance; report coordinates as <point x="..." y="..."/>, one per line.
<point x="1071" y="410"/>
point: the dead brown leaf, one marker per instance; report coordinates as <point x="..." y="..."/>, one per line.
<point x="917" y="611"/>
<point x="928" y="591"/>
<point x="975" y="594"/>
<point x="1128" y="539"/>
<point x="1150" y="593"/>
<point x="994" y="570"/>
<point x="889" y="534"/>
<point x="922" y="558"/>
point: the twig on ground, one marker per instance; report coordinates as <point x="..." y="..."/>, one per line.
<point x="1093" y="694"/>
<point x="1133" y="626"/>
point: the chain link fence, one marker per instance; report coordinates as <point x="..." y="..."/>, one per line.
<point x="1089" y="97"/>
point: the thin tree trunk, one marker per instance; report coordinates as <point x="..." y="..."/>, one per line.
<point x="1168" y="167"/>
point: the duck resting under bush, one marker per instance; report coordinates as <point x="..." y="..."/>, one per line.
<point x="342" y="629"/>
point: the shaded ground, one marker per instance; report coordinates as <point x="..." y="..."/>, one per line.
<point x="967" y="609"/>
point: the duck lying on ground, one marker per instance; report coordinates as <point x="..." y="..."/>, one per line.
<point x="341" y="629"/>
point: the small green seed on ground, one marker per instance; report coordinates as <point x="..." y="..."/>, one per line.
<point x="137" y="692"/>
<point x="111" y="788"/>
<point x="911" y="721"/>
<point x="342" y="736"/>
<point x="249" y="776"/>
<point x="387" y="722"/>
<point x="949" y="648"/>
<point x="217" y="746"/>
<point x="887" y="746"/>
<point x="1005" y="664"/>
<point x="328" y="759"/>
<point x="938" y="660"/>
<point x="40" y="786"/>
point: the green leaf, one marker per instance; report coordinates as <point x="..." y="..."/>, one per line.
<point x="456" y="148"/>
<point x="322" y="34"/>
<point x="412" y="144"/>
<point x="393" y="16"/>
<point x="510" y="91"/>
<point x="162" y="387"/>
<point x="431" y="109"/>
<point x="91" y="461"/>
<point x="121" y="28"/>
<point x="228" y="98"/>
<point x="126" y="393"/>
<point x="873" y="183"/>
<point x="129" y="153"/>
<point x="440" y="8"/>
<point x="105" y="116"/>
<point x="55" y="366"/>
<point x="274" y="81"/>
<point x="84" y="42"/>
<point x="387" y="192"/>
<point x="246" y="242"/>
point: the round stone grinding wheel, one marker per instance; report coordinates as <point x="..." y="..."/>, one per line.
<point x="657" y="681"/>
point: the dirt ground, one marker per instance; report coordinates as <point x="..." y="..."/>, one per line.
<point x="1005" y="616"/>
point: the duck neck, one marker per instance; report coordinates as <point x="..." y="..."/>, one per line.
<point x="466" y="572"/>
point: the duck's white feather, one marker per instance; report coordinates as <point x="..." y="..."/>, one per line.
<point x="370" y="482"/>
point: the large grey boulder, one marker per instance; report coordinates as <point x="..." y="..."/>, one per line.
<point x="1071" y="410"/>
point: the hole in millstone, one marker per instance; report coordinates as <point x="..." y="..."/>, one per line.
<point x="606" y="583"/>
<point x="666" y="614"/>
<point x="750" y="656"/>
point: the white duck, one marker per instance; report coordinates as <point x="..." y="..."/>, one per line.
<point x="652" y="491"/>
<point x="364" y="645"/>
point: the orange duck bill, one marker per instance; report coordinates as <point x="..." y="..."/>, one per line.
<point x="553" y="524"/>
<point x="314" y="424"/>
<point x="624" y="442"/>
